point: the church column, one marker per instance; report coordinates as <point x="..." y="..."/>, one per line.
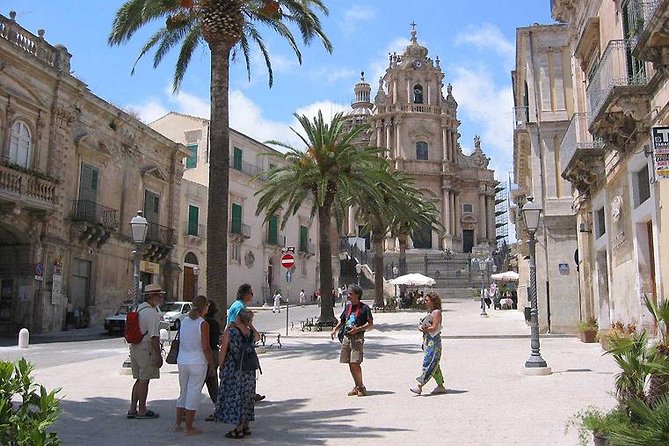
<point x="454" y="144"/>
<point x="447" y="211"/>
<point x="388" y="145"/>
<point x="379" y="135"/>
<point x="429" y="90"/>
<point x="444" y="142"/>
<point x="457" y="215"/>
<point x="483" y="218"/>
<point x="351" y="221"/>
<point x="398" y="152"/>
<point x="394" y="91"/>
<point x="409" y="99"/>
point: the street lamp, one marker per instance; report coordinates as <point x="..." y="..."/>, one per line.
<point x="358" y="270"/>
<point x="535" y="364"/>
<point x="482" y="265"/>
<point x="139" y="226"/>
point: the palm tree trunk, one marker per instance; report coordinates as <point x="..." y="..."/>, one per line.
<point x="377" y="242"/>
<point x="403" y="240"/>
<point x="325" y="253"/>
<point x="219" y="177"/>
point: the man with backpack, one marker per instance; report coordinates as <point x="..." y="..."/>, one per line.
<point x="143" y="333"/>
<point x="353" y="322"/>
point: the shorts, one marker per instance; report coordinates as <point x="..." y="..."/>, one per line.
<point x="352" y="349"/>
<point x="142" y="359"/>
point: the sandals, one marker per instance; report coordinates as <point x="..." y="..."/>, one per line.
<point x="148" y="415"/>
<point x="235" y="434"/>
<point x="246" y="431"/>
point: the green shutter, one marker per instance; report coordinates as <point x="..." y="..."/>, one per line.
<point x="236" y="226"/>
<point x="191" y="161"/>
<point x="193" y="220"/>
<point x="273" y="230"/>
<point x="237" y="158"/>
<point x="304" y="238"/>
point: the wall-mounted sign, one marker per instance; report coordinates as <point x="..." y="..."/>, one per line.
<point x="39" y="271"/>
<point x="563" y="268"/>
<point x="661" y="151"/>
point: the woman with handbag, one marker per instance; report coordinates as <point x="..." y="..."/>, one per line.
<point x="431" y="327"/>
<point x="235" y="403"/>
<point x="193" y="361"/>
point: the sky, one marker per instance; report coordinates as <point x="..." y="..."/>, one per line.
<point x="474" y="39"/>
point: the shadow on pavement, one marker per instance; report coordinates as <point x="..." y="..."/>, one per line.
<point x="286" y="422"/>
<point x="330" y="350"/>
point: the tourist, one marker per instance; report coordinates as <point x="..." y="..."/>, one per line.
<point x="277" y="302"/>
<point x="303" y="297"/>
<point x="235" y="403"/>
<point x="145" y="356"/>
<point x="356" y="320"/>
<point x="431" y="327"/>
<point x="214" y="340"/>
<point x="193" y="362"/>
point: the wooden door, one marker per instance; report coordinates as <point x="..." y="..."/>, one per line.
<point x="189" y="284"/>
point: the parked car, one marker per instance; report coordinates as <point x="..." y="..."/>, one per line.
<point x="117" y="321"/>
<point x="174" y="312"/>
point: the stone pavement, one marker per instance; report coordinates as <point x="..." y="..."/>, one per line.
<point x="489" y="402"/>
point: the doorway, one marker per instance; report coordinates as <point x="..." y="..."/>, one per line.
<point x="467" y="240"/>
<point x="603" y="289"/>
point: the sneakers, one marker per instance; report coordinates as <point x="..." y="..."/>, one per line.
<point x="439" y="390"/>
<point x="358" y="391"/>
<point x="418" y="390"/>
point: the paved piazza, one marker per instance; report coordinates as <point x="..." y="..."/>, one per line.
<point x="489" y="402"/>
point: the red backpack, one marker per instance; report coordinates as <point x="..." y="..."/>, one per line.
<point x="133" y="334"/>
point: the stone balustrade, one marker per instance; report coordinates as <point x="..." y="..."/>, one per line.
<point x="27" y="187"/>
<point x="56" y="57"/>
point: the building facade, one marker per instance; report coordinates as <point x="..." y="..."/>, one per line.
<point x="254" y="247"/>
<point x="619" y="57"/>
<point x="74" y="170"/>
<point x="410" y="117"/>
<point x="542" y="88"/>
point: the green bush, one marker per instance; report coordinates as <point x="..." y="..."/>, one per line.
<point x="26" y="408"/>
<point x="593" y="421"/>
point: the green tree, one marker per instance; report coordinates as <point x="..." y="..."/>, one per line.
<point x="401" y="202"/>
<point x="331" y="173"/>
<point x="228" y="28"/>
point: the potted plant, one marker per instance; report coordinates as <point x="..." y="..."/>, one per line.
<point x="592" y="421"/>
<point x="588" y="330"/>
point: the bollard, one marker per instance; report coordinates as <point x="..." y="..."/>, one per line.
<point x="24" y="338"/>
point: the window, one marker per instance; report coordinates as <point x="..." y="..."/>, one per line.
<point x="88" y="186"/>
<point x="19" y="144"/>
<point x="236" y="223"/>
<point x="304" y="239"/>
<point x="235" y="252"/>
<point x="237" y="158"/>
<point x="467" y="208"/>
<point x="191" y="161"/>
<point x="421" y="150"/>
<point x="641" y="186"/>
<point x="193" y="220"/>
<point x="417" y="94"/>
<point x="273" y="230"/>
<point x="600" y="223"/>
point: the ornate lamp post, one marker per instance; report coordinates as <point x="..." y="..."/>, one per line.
<point x="535" y="364"/>
<point x="139" y="226"/>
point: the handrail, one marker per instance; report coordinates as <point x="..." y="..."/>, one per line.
<point x="28" y="184"/>
<point x="160" y="234"/>
<point x="576" y="137"/>
<point x="92" y="212"/>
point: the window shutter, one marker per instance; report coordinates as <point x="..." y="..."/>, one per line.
<point x="193" y="220"/>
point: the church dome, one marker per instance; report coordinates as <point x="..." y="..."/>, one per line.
<point x="414" y="50"/>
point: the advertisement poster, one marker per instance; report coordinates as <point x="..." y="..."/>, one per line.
<point x="661" y="151"/>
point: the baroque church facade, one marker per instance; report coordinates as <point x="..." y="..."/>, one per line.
<point x="418" y="125"/>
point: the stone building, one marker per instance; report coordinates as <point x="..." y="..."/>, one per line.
<point x="542" y="88"/>
<point x="410" y="116"/>
<point x="254" y="248"/>
<point x="620" y="92"/>
<point x="74" y="170"/>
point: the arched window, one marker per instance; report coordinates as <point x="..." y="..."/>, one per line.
<point x="417" y="94"/>
<point x="421" y="150"/>
<point x="191" y="258"/>
<point x="19" y="144"/>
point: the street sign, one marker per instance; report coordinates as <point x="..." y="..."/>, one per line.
<point x="289" y="276"/>
<point x="287" y="260"/>
<point x="661" y="149"/>
<point x="289" y="249"/>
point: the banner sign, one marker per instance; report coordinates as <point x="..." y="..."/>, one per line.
<point x="661" y="151"/>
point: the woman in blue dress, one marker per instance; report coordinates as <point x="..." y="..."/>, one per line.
<point x="431" y="327"/>
<point x="235" y="395"/>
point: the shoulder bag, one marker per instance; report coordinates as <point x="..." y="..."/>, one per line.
<point x="174" y="350"/>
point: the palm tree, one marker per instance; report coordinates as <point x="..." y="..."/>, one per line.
<point x="329" y="174"/>
<point x="658" y="383"/>
<point x="401" y="202"/>
<point x="228" y="27"/>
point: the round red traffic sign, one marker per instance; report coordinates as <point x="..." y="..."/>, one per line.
<point x="287" y="260"/>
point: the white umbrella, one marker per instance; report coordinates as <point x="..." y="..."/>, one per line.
<point x="507" y="275"/>
<point x="413" y="279"/>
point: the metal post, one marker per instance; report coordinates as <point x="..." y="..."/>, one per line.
<point x="483" y="312"/>
<point x="135" y="276"/>
<point x="535" y="360"/>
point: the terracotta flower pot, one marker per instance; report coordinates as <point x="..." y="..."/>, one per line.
<point x="588" y="336"/>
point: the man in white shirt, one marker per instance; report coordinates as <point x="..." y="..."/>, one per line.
<point x="145" y="356"/>
<point x="277" y="302"/>
<point x="303" y="297"/>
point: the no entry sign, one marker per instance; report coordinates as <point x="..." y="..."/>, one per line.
<point x="287" y="260"/>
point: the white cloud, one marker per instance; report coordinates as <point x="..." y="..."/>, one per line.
<point x="148" y="111"/>
<point x="356" y="15"/>
<point x="329" y="75"/>
<point x="487" y="36"/>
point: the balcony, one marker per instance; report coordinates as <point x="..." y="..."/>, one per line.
<point x="308" y="249"/>
<point x="421" y="167"/>
<point x="618" y="97"/>
<point x="95" y="223"/>
<point x="239" y="229"/>
<point x="159" y="242"/>
<point x="521" y="116"/>
<point x="581" y="155"/>
<point x="27" y="188"/>
<point x="650" y="30"/>
<point x="274" y="240"/>
<point x="247" y="168"/>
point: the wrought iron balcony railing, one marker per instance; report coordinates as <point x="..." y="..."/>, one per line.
<point x="160" y="234"/>
<point x="199" y="231"/>
<point x="616" y="68"/>
<point x="275" y="239"/>
<point x="91" y="212"/>
<point x="247" y="168"/>
<point x="640" y="13"/>
<point x="239" y="228"/>
<point x="576" y="137"/>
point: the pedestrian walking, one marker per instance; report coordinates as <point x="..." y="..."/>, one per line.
<point x="193" y="363"/>
<point x="145" y="357"/>
<point x="277" y="302"/>
<point x="356" y="319"/>
<point x="303" y="297"/>
<point x="431" y="326"/>
<point x="235" y="403"/>
<point x="214" y="341"/>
